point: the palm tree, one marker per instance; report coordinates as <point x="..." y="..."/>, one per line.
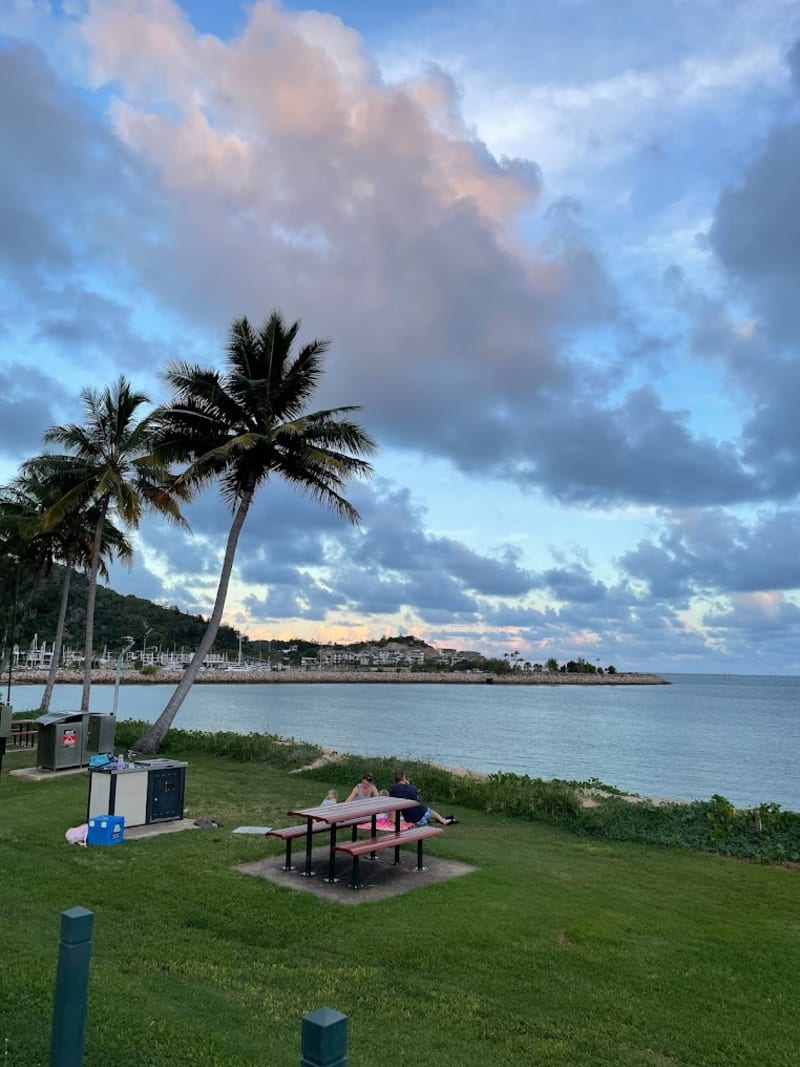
<point x="39" y="487"/>
<point x="244" y="425"/>
<point x="117" y="475"/>
<point x="23" y="540"/>
<point x="15" y="554"/>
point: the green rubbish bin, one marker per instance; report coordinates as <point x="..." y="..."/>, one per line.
<point x="6" y="712"/>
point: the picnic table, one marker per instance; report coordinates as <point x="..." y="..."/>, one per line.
<point x="351" y="812"/>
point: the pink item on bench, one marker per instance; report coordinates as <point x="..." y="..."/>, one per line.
<point x="386" y="824"/>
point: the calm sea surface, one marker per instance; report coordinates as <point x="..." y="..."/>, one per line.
<point x="704" y="734"/>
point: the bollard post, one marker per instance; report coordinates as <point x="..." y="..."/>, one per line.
<point x="72" y="988"/>
<point x="324" y="1039"/>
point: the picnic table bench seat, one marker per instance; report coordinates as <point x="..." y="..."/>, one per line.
<point x="288" y="834"/>
<point x="356" y="849"/>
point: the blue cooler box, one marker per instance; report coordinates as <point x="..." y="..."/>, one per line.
<point x="106" y="830"/>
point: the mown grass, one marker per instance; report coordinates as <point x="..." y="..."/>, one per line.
<point x="560" y="949"/>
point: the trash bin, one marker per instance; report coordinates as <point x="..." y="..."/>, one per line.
<point x="62" y="739"/>
<point x="100" y="733"/>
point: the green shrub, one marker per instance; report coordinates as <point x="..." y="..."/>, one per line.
<point x="765" y="834"/>
<point x="278" y="752"/>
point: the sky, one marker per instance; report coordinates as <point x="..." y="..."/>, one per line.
<point x="555" y="247"/>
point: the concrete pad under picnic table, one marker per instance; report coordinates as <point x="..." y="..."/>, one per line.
<point x="381" y="879"/>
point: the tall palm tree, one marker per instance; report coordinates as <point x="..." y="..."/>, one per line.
<point x="23" y="541"/>
<point x="242" y="426"/>
<point x="118" y="476"/>
<point x="16" y="554"/>
<point x="38" y="488"/>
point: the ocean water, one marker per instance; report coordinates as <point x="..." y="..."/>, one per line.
<point x="738" y="735"/>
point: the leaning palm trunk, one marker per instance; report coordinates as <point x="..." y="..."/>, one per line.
<point x="91" y="598"/>
<point x="59" y="640"/>
<point x="152" y="740"/>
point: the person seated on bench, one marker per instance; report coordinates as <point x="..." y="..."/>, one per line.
<point x="330" y="798"/>
<point x="363" y="789"/>
<point x="422" y="814"/>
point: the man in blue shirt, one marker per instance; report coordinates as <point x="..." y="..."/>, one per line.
<point x="421" y="815"/>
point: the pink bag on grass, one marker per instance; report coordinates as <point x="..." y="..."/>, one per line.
<point x="77" y="835"/>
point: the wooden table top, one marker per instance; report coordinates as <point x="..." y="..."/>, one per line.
<point x="364" y="808"/>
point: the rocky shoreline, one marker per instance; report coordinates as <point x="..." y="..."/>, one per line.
<point x="369" y="677"/>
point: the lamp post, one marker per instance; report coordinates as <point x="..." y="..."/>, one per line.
<point x="131" y="642"/>
<point x="8" y="711"/>
<point x="13" y="631"/>
<point x="144" y="642"/>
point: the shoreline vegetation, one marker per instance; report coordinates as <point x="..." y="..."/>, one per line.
<point x="590" y="808"/>
<point x="165" y="676"/>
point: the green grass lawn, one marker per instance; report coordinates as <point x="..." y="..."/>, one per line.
<point x="557" y="950"/>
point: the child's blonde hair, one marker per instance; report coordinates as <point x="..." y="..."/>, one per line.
<point x="384" y="792"/>
<point x="332" y="795"/>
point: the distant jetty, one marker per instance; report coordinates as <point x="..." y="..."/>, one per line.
<point x="163" y="676"/>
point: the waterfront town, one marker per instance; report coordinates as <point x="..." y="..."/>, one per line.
<point x="401" y="660"/>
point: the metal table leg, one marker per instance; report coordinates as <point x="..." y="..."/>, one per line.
<point x="308" y="873"/>
<point x="373" y="833"/>
<point x="332" y="857"/>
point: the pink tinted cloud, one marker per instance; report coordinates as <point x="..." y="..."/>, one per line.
<point x="293" y="175"/>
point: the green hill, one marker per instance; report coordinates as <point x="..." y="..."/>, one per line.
<point x="116" y="616"/>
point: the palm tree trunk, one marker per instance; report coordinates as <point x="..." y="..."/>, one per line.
<point x="59" y="640"/>
<point x="153" y="738"/>
<point x="91" y="597"/>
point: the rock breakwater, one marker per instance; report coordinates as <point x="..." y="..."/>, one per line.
<point x="289" y="677"/>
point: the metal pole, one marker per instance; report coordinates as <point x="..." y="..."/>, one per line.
<point x="13" y="628"/>
<point x="323" y="1039"/>
<point x="131" y="642"/>
<point x="72" y="988"/>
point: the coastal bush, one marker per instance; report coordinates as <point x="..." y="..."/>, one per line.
<point x="766" y="834"/>
<point x="511" y="794"/>
<point x="708" y="826"/>
<point x="279" y="752"/>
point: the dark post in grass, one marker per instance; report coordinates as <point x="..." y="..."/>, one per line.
<point x="10" y="663"/>
<point x="324" y="1039"/>
<point x="72" y="988"/>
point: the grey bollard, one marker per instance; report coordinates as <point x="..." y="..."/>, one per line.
<point x="324" y="1039"/>
<point x="72" y="988"/>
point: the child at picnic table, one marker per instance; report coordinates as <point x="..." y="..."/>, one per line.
<point x="363" y="789"/>
<point x="420" y="815"/>
<point x="384" y="820"/>
<point x="331" y="798"/>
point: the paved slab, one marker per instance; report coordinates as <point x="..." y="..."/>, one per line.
<point x="154" y="829"/>
<point x="40" y="774"/>
<point x="381" y="878"/>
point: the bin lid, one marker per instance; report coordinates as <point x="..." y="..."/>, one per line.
<point x="51" y="717"/>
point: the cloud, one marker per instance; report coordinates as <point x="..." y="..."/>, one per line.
<point x="164" y="181"/>
<point x="282" y="163"/>
<point x="756" y="233"/>
<point x="29" y="401"/>
<point x="793" y="61"/>
<point x="712" y="550"/>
